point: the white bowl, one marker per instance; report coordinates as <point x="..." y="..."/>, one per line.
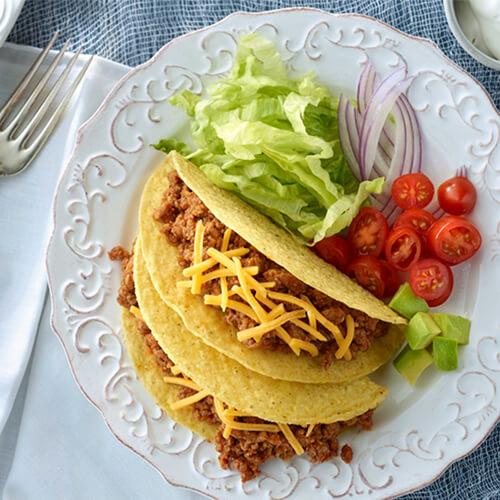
<point x="9" y="12"/>
<point x="464" y="33"/>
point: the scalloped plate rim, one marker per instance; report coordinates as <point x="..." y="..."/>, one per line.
<point x="95" y="116"/>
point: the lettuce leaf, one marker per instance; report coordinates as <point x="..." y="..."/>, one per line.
<point x="273" y="141"/>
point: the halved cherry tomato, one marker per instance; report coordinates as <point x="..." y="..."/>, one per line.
<point x="369" y="272"/>
<point x="418" y="219"/>
<point x="432" y="280"/>
<point x="392" y="280"/>
<point x="334" y="250"/>
<point x="412" y="191"/>
<point x="457" y="196"/>
<point x="368" y="232"/>
<point x="403" y="248"/>
<point x="453" y="239"/>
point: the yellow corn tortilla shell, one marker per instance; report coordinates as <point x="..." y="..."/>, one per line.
<point x="278" y="245"/>
<point x="208" y="322"/>
<point x="152" y="379"/>
<point x="260" y="396"/>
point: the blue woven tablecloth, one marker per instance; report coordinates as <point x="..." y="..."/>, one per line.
<point x="131" y="31"/>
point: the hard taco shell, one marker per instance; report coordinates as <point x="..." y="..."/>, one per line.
<point x="208" y="322"/>
<point x="270" y="399"/>
<point x="152" y="378"/>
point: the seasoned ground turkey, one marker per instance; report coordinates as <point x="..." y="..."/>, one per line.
<point x="126" y="298"/>
<point x="246" y="450"/>
<point x="126" y="293"/>
<point x="346" y="454"/>
<point x="243" y="450"/>
<point x="179" y="213"/>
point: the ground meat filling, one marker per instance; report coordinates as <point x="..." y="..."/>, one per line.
<point x="179" y="213"/>
<point x="243" y="450"/>
<point x="126" y="298"/>
<point x="246" y="450"/>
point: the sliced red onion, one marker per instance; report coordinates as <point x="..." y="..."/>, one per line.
<point x="348" y="134"/>
<point x="376" y="114"/>
<point x="367" y="84"/>
<point x="349" y="127"/>
<point x="407" y="153"/>
<point x="374" y="144"/>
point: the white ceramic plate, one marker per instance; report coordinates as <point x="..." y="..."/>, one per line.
<point x="9" y="12"/>
<point x="418" y="432"/>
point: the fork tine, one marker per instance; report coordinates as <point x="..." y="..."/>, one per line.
<point x="47" y="129"/>
<point x="14" y="124"/>
<point x="11" y="101"/>
<point x="35" y="120"/>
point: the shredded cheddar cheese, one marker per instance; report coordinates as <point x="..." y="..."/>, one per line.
<point x="275" y="312"/>
<point x="227" y="432"/>
<point x="241" y="426"/>
<point x="227" y="415"/>
<point x="294" y="442"/>
<point x="257" y="301"/>
<point x="182" y="381"/>
<point x="309" y="329"/>
<point x="312" y="319"/>
<point x="334" y="329"/>
<point x="285" y="337"/>
<point x="231" y="412"/>
<point x="175" y="370"/>
<point x="189" y="400"/>
<point x="344" y="347"/>
<point x="310" y="429"/>
<point x="305" y="346"/>
<point x="209" y="263"/>
<point x="198" y="255"/>
<point x="243" y="278"/>
<point x="258" y="331"/>
<point x="223" y="281"/>
<point x="227" y="262"/>
<point x="216" y="300"/>
<point x="220" y="273"/>
<point x="136" y="312"/>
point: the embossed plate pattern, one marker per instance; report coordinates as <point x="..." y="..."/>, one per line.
<point x="417" y="433"/>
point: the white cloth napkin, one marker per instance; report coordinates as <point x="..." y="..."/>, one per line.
<point x="55" y="443"/>
<point x="25" y="211"/>
<point x="64" y="449"/>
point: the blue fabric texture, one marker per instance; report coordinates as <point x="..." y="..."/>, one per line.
<point x="131" y="31"/>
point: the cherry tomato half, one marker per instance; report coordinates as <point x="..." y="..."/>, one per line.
<point x="392" y="280"/>
<point x="453" y="239"/>
<point x="403" y="248"/>
<point x="418" y="219"/>
<point x="432" y="280"/>
<point x="369" y="272"/>
<point x="412" y="191"/>
<point x="368" y="232"/>
<point x="334" y="250"/>
<point x="457" y="196"/>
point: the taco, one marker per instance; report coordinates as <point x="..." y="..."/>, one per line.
<point x="292" y="316"/>
<point x="250" y="417"/>
<point x="151" y="369"/>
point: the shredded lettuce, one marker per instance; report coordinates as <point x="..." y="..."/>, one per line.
<point x="273" y="141"/>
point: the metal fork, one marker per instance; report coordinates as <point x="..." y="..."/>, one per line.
<point x="18" y="143"/>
